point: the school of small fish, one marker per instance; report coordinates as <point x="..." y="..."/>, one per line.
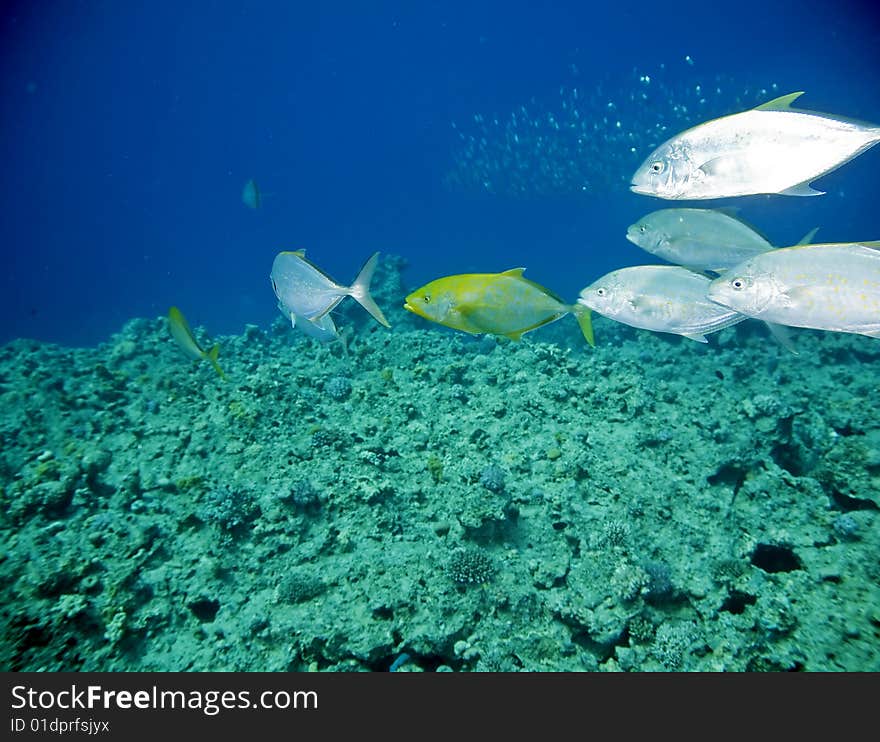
<point x="723" y="270"/>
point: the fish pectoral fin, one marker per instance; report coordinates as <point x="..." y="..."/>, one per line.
<point x="461" y="319"/>
<point x="801" y="189"/>
<point x="719" y="167"/>
<point x="795" y="296"/>
<point x="782" y="334"/>
<point x="782" y="103"/>
<point x="647" y="303"/>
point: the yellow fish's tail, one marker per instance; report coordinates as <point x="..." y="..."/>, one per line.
<point x="584" y="317"/>
<point x="211" y="355"/>
<point x="360" y="290"/>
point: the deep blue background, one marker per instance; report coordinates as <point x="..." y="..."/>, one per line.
<point x="128" y="130"/>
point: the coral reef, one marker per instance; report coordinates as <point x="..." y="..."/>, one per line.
<point x="652" y="504"/>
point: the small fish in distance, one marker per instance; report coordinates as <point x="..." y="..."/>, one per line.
<point x="250" y="195"/>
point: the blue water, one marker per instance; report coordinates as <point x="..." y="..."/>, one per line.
<point x="127" y="132"/>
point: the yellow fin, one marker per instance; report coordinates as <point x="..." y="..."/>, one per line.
<point x="782" y="103"/>
<point x="516" y="272"/>
<point x="183" y="334"/>
<point x="211" y="355"/>
<point x="584" y="318"/>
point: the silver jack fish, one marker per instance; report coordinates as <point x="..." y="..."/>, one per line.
<point x="699" y="239"/>
<point x="770" y="149"/>
<point x="663" y="298"/>
<point x="823" y="287"/>
<point x="306" y="295"/>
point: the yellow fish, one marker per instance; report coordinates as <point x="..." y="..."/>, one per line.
<point x="181" y="332"/>
<point x="493" y="303"/>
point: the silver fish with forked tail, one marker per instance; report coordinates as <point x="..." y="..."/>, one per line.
<point x="306" y="295"/>
<point x="663" y="298"/>
<point x="773" y="148"/>
<point x="700" y="239"/>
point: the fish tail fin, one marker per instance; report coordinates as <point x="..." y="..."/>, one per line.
<point x="211" y="355"/>
<point x="583" y="315"/>
<point x="360" y="290"/>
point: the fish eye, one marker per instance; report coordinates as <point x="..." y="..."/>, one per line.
<point x="600" y="291"/>
<point x="642" y="228"/>
<point x="657" y="167"/>
<point x="427" y="298"/>
<point x="738" y="284"/>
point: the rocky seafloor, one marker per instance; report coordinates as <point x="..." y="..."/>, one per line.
<point x="433" y="501"/>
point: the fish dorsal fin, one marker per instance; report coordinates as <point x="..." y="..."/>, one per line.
<point x="874" y="244"/>
<point x="518" y="273"/>
<point x="301" y="254"/>
<point x="782" y="103"/>
<point x="732" y="212"/>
